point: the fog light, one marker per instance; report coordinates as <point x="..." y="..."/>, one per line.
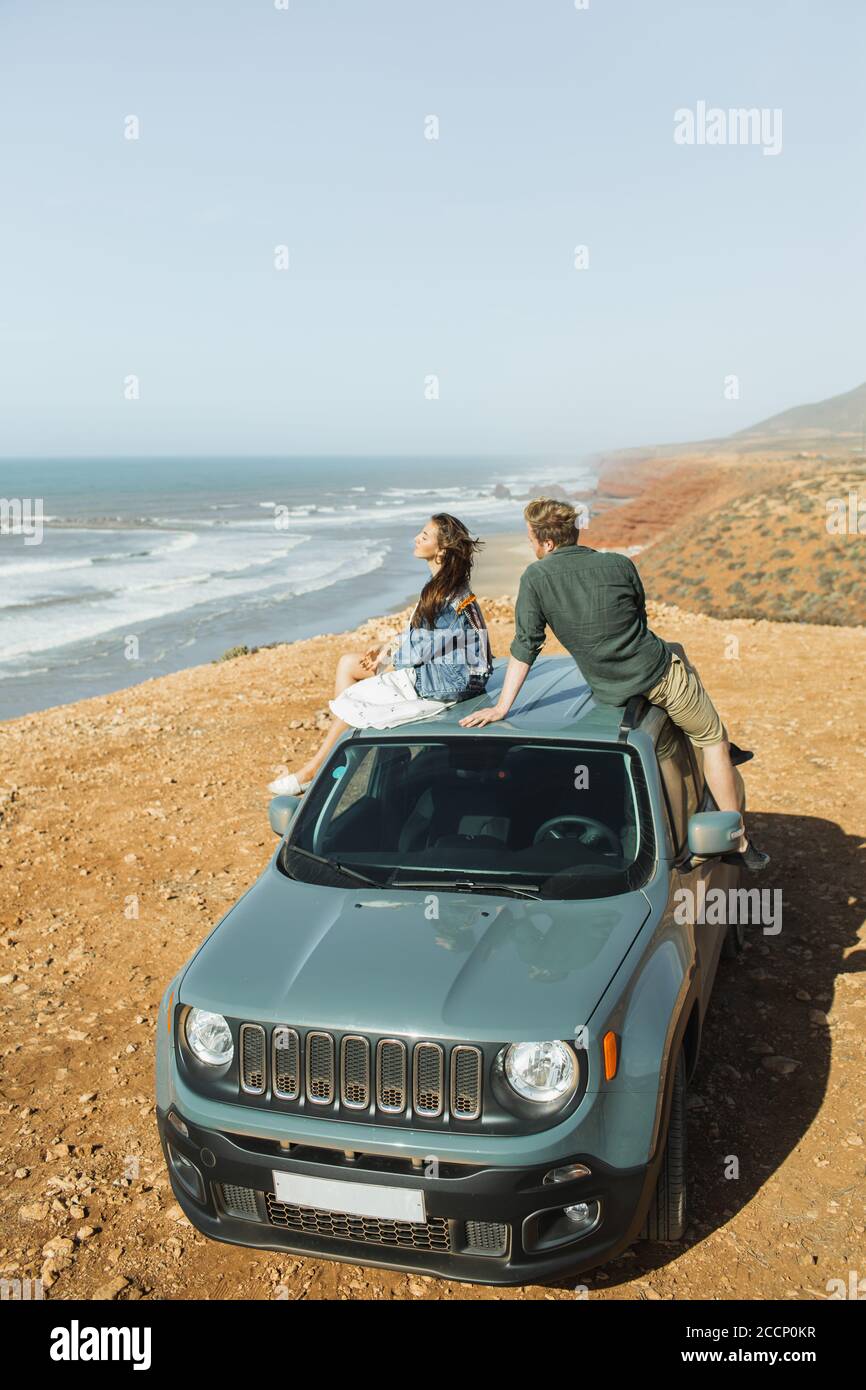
<point x="187" y="1174"/>
<point x="178" y="1123"/>
<point x="546" y="1230"/>
<point x="568" y="1173"/>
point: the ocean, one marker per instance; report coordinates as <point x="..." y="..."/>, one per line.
<point x="147" y="566"/>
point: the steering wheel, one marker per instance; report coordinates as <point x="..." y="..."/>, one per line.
<point x="548" y="830"/>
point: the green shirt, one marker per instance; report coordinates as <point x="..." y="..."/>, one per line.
<point x="594" y="603"/>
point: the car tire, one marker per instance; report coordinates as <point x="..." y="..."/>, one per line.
<point x="735" y="936"/>
<point x="666" y="1217"/>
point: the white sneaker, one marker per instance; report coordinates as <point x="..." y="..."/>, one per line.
<point x="288" y="786"/>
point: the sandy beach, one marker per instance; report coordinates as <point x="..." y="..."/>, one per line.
<point x="499" y="565"/>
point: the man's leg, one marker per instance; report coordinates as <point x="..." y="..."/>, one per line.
<point x="681" y="694"/>
<point x="721" y="778"/>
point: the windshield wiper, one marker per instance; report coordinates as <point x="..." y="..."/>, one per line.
<point x="467" y="885"/>
<point x="333" y="864"/>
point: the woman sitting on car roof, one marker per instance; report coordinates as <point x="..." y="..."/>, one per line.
<point x="441" y="657"/>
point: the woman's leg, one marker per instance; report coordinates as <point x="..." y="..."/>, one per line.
<point x="349" y="672"/>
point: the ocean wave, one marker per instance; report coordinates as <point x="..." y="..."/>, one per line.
<point x="128" y="611"/>
<point x="61" y="564"/>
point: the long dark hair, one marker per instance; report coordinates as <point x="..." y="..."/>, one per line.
<point x="453" y="574"/>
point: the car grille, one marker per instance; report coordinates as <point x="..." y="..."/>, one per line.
<point x="253" y="1058"/>
<point x="438" y="1234"/>
<point x="339" y="1225"/>
<point x="486" y="1238"/>
<point x="239" y="1201"/>
<point x="386" y="1077"/>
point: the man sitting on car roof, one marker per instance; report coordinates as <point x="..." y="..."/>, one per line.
<point x="594" y="603"/>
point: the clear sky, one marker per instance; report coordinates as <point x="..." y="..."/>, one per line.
<point x="305" y="127"/>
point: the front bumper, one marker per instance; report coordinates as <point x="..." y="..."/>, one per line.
<point x="484" y="1225"/>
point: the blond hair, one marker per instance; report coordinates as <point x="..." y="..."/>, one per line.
<point x="552" y="520"/>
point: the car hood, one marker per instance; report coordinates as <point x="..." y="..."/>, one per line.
<point x="486" y="968"/>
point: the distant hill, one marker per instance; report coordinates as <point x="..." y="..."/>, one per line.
<point x="840" y="417"/>
<point x="767" y="554"/>
<point x="835" y="428"/>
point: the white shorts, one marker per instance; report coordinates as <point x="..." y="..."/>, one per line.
<point x="384" y="701"/>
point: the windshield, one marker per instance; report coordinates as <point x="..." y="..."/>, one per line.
<point x="481" y="814"/>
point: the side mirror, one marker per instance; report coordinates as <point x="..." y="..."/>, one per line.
<point x="714" y="832"/>
<point x="280" y="813"/>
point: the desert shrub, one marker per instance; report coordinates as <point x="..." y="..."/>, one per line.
<point x="233" y="652"/>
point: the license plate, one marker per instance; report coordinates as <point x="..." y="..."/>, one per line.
<point x="356" y="1198"/>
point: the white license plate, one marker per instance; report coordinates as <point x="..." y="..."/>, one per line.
<point x="356" y="1198"/>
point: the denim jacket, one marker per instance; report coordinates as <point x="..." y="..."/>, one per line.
<point x="451" y="659"/>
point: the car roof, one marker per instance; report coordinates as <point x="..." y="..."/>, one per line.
<point x="554" y="700"/>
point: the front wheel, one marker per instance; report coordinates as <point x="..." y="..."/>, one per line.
<point x="666" y="1217"/>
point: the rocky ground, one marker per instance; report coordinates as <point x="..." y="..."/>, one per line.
<point x="130" y="823"/>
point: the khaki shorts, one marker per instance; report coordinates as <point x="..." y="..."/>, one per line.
<point x="681" y="693"/>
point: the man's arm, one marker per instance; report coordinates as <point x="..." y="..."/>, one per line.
<point x="529" y="634"/>
<point x="639" y="589"/>
<point x="515" y="674"/>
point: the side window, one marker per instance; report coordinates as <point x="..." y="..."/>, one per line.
<point x="678" y="779"/>
<point x="356" y="786"/>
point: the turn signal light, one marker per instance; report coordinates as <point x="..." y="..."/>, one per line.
<point x="611" y="1056"/>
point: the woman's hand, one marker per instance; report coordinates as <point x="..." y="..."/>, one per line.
<point x="482" y="717"/>
<point x="370" y="659"/>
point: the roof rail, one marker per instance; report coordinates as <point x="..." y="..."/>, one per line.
<point x="634" y="712"/>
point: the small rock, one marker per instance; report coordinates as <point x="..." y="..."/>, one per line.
<point x="58" y="1246"/>
<point x="36" y="1211"/>
<point x="782" y="1066"/>
<point x="111" y="1289"/>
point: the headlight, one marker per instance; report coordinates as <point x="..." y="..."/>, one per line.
<point x="541" y="1071"/>
<point x="209" y="1037"/>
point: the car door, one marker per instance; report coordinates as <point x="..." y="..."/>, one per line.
<point x="684" y="793"/>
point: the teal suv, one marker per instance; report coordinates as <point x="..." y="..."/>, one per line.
<point x="450" y="1028"/>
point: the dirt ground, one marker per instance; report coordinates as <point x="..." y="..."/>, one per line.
<point x="156" y="795"/>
